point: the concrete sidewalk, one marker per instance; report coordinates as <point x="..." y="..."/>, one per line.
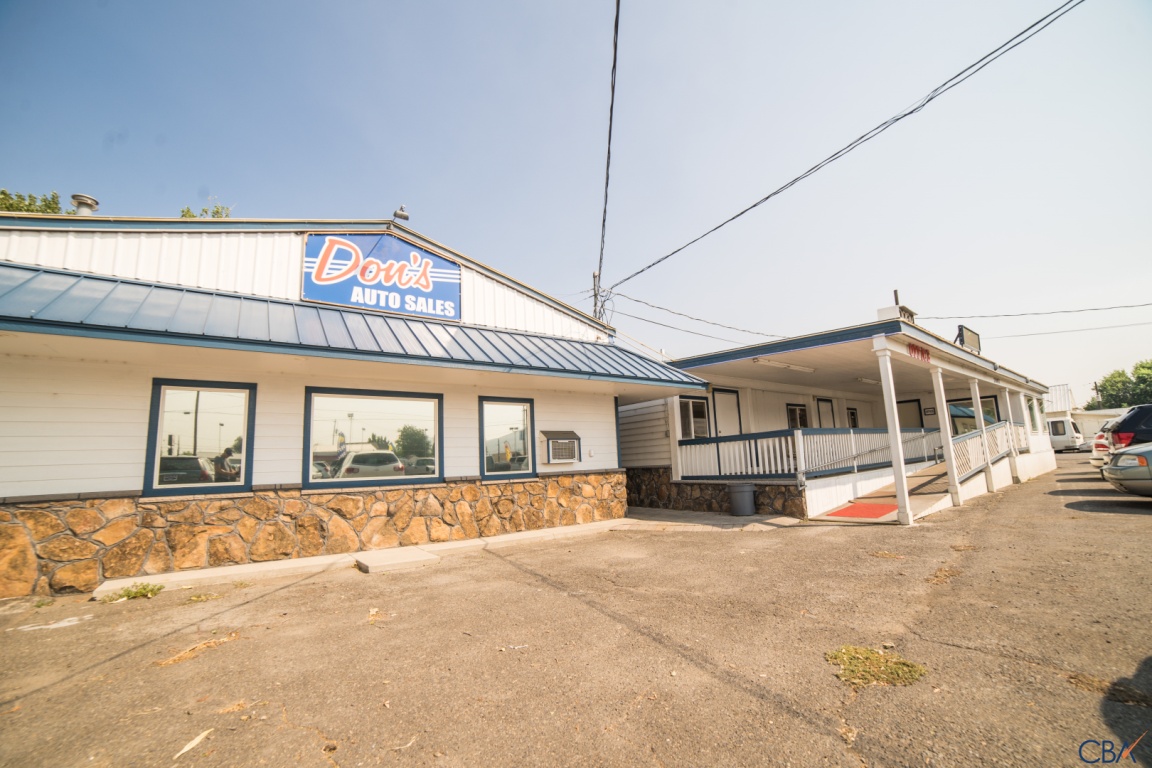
<point x="405" y="558"/>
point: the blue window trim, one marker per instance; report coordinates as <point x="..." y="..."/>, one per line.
<point x="485" y="475"/>
<point x="308" y="483"/>
<point x="151" y="488"/>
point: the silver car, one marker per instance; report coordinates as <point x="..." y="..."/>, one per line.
<point x="365" y="464"/>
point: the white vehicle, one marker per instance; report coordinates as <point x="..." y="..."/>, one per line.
<point x="366" y="464"/>
<point x="1065" y="435"/>
<point x="1100" y="446"/>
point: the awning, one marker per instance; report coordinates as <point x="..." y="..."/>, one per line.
<point x="33" y="299"/>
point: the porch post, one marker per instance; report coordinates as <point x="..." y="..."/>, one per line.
<point x="895" y="444"/>
<point x="946" y="435"/>
<point x="1013" y="452"/>
<point x="978" y="412"/>
<point x="1027" y="419"/>
<point x="674" y="437"/>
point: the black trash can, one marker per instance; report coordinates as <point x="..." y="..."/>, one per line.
<point x="742" y="497"/>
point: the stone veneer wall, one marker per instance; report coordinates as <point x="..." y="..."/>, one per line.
<point x="653" y="487"/>
<point x="55" y="547"/>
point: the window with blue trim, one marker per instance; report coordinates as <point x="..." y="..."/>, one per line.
<point x="371" y="438"/>
<point x="506" y="438"/>
<point x="199" y="436"/>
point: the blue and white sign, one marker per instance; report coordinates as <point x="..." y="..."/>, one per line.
<point x="381" y="272"/>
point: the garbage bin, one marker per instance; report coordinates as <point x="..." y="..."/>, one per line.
<point x="742" y="497"/>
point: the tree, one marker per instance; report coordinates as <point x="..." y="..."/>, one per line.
<point x="379" y="442"/>
<point x="413" y="441"/>
<point x="1119" y="389"/>
<point x="217" y="211"/>
<point x="18" y="203"/>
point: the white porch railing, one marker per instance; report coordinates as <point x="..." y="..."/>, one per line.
<point x="1020" y="432"/>
<point x="970" y="449"/>
<point x="796" y="453"/>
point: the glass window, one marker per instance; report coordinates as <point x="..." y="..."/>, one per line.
<point x="199" y="432"/>
<point x="506" y="437"/>
<point x="1056" y="427"/>
<point x="371" y="438"/>
<point x="693" y="418"/>
<point x="797" y="416"/>
<point x="853" y="418"/>
<point x="964" y="418"/>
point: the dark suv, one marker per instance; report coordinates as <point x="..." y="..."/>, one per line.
<point x="1133" y="428"/>
<point x="185" y="470"/>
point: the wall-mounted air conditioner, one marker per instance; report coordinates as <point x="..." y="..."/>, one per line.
<point x="563" y="446"/>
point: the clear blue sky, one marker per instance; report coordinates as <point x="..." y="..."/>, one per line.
<point x="1027" y="188"/>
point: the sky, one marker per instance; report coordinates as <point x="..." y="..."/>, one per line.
<point x="1028" y="188"/>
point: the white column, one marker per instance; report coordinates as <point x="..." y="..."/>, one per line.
<point x="1027" y="419"/>
<point x="674" y="437"/>
<point x="1013" y="452"/>
<point x="896" y="446"/>
<point x="946" y="435"/>
<point x="978" y="412"/>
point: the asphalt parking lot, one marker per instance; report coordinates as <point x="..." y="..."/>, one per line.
<point x="1030" y="609"/>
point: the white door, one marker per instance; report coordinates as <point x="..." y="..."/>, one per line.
<point x="825" y="417"/>
<point x="727" y="404"/>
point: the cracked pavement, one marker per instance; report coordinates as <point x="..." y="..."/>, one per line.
<point x="628" y="648"/>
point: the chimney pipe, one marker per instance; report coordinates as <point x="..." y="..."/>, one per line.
<point x="86" y="205"/>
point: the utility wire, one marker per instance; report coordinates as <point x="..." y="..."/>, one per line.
<point x="682" y="330"/>
<point x="940" y="90"/>
<point x="607" y="166"/>
<point x="700" y="319"/>
<point x="1071" y="330"/>
<point x="1030" y="314"/>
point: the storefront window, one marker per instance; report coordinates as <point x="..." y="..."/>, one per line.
<point x="506" y="437"/>
<point x="371" y="438"/>
<point x="200" y="436"/>
<point x="964" y="419"/>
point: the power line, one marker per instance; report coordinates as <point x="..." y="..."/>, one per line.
<point x="940" y="90"/>
<point x="597" y="309"/>
<point x="682" y="330"/>
<point x="1071" y="330"/>
<point x="1033" y="314"/>
<point x="699" y="319"/>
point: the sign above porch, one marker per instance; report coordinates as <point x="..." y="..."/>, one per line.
<point x="381" y="272"/>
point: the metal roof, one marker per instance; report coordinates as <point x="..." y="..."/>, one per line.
<point x="37" y="299"/>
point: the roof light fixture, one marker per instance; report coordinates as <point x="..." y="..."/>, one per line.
<point x="781" y="364"/>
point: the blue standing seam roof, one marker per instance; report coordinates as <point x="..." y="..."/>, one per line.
<point x="97" y="305"/>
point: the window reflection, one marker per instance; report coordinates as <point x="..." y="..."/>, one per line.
<point x="200" y="436"/>
<point x="507" y="437"/>
<point x="372" y="437"/>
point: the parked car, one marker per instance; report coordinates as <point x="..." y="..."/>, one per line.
<point x="185" y="470"/>
<point x="321" y="471"/>
<point x="420" y="466"/>
<point x="1099" y="455"/>
<point x="1065" y="434"/>
<point x="1133" y="428"/>
<point x="366" y="464"/>
<point x="1130" y="470"/>
<point x="521" y="463"/>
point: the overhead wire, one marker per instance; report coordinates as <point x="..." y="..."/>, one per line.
<point x="699" y="319"/>
<point x="597" y="302"/>
<point x="1070" y="330"/>
<point x="941" y="89"/>
<point x="1035" y="314"/>
<point x="674" y="328"/>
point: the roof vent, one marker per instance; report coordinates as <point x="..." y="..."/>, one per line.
<point x="86" y="205"/>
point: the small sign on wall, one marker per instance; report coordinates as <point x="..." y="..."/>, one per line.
<point x="929" y="411"/>
<point x="380" y="272"/>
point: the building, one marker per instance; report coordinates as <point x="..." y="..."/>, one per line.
<point x="817" y="421"/>
<point x="372" y="387"/>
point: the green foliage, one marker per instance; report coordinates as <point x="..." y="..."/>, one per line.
<point x="379" y="442"/>
<point x="131" y="593"/>
<point x="413" y="441"/>
<point x="238" y="445"/>
<point x="1119" y="389"/>
<point x="18" y="203"/>
<point x="43" y="602"/>
<point x="216" y="211"/>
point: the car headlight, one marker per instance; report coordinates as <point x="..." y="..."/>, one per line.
<point x="1131" y="461"/>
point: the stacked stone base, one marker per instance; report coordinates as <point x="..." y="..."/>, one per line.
<point x="653" y="487"/>
<point x="58" y="547"/>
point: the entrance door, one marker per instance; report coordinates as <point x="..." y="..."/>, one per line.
<point x="825" y="417"/>
<point x="908" y="411"/>
<point x="727" y="408"/>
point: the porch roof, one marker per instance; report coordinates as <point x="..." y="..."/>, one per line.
<point x="843" y="359"/>
<point x="33" y="299"/>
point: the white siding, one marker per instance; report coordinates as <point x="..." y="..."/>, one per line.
<point x="645" y="435"/>
<point x="71" y="427"/>
<point x="267" y="264"/>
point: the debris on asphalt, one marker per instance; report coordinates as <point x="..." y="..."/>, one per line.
<point x="886" y="555"/>
<point x="860" y="667"/>
<point x="68" y="622"/>
<point x="410" y="743"/>
<point x="943" y="575"/>
<point x="197" y="649"/>
<point x="192" y="744"/>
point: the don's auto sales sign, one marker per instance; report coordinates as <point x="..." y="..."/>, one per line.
<point x="380" y="272"/>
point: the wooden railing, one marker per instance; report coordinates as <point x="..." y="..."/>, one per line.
<point x="799" y="453"/>
<point x="1020" y="432"/>
<point x="969" y="452"/>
